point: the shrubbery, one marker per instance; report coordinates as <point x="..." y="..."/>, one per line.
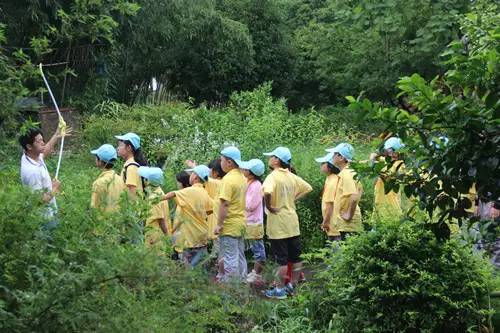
<point x="397" y="278"/>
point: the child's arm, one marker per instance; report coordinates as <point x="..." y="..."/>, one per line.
<point x="168" y="196"/>
<point x="268" y="200"/>
<point x="353" y="202"/>
<point x="325" y="225"/>
<point x="222" y="216"/>
<point x="163" y="226"/>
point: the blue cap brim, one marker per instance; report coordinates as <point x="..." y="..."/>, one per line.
<point x="93" y="152"/>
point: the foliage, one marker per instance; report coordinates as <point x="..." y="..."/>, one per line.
<point x="399" y="277"/>
<point x="83" y="276"/>
<point x="344" y="47"/>
<point x="462" y="106"/>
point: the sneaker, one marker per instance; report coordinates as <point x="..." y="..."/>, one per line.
<point x="276" y="293"/>
<point x="254" y="277"/>
<point x="289" y="289"/>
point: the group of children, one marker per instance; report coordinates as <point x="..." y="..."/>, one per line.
<point x="223" y="205"/>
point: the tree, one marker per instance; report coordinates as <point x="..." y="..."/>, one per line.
<point x="462" y="106"/>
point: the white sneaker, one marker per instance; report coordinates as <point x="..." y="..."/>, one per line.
<point x="253" y="277"/>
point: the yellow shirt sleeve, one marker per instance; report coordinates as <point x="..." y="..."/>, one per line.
<point x="302" y="187"/>
<point x="133" y="178"/>
<point x="349" y="185"/>
<point x="96" y="189"/>
<point x="269" y="185"/>
<point x="329" y="190"/>
<point x="226" y="191"/>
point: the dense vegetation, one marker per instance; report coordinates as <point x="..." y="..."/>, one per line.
<point x="256" y="74"/>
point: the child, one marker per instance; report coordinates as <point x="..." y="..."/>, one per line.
<point x="108" y="187"/>
<point x="182" y="179"/>
<point x="388" y="205"/>
<point x="212" y="187"/>
<point x="231" y="220"/>
<point x="194" y="205"/>
<point x="328" y="196"/>
<point x="254" y="212"/>
<point x="281" y="189"/>
<point x="129" y="149"/>
<point x="158" y="221"/>
<point x="346" y="212"/>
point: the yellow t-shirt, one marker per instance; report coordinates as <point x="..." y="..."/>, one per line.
<point x="233" y="188"/>
<point x="133" y="178"/>
<point x="331" y="183"/>
<point x="284" y="187"/>
<point x="347" y="186"/>
<point x="106" y="191"/>
<point x="212" y="187"/>
<point x="193" y="205"/>
<point x="387" y="205"/>
<point x="159" y="210"/>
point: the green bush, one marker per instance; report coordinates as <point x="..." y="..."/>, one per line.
<point x="81" y="277"/>
<point x="398" y="277"/>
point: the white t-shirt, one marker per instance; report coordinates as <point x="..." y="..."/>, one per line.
<point x="35" y="175"/>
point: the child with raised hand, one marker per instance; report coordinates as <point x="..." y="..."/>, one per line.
<point x="193" y="207"/>
<point x="158" y="221"/>
<point x="129" y="149"/>
<point x="346" y="212"/>
<point x="254" y="212"/>
<point x="281" y="189"/>
<point x="108" y="187"/>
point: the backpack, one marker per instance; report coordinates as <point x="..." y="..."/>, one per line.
<point x="125" y="175"/>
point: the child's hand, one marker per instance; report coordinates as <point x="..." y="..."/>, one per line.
<point x="325" y="226"/>
<point x="273" y="210"/>
<point x="217" y="229"/>
<point x="346" y="216"/>
<point x="190" y="163"/>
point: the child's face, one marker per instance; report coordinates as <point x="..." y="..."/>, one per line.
<point x="224" y="163"/>
<point x="324" y="168"/>
<point x="123" y="150"/>
<point x="272" y="162"/>
<point x="97" y="162"/>
<point x="193" y="178"/>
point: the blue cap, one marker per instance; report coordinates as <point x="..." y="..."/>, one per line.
<point x="201" y="170"/>
<point x="394" y="144"/>
<point x="255" y="165"/>
<point x="233" y="153"/>
<point x="282" y="153"/>
<point x="344" y="149"/>
<point x="134" y="139"/>
<point x="105" y="153"/>
<point x="328" y="158"/>
<point x="153" y="175"/>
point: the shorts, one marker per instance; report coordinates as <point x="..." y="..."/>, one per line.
<point x="195" y="255"/>
<point x="232" y="254"/>
<point x="286" y="250"/>
<point x="257" y="248"/>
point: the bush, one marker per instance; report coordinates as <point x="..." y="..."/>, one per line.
<point x="398" y="277"/>
<point x="81" y="277"/>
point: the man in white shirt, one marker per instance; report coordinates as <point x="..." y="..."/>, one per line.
<point x="34" y="172"/>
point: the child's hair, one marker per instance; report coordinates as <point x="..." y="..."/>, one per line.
<point x="138" y="155"/>
<point x="258" y="178"/>
<point x="183" y="178"/>
<point x="29" y="137"/>
<point x="107" y="165"/>
<point x="288" y="166"/>
<point x="216" y="166"/>
<point x="332" y="168"/>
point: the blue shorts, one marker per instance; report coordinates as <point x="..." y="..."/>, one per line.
<point x="258" y="249"/>
<point x="194" y="255"/>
